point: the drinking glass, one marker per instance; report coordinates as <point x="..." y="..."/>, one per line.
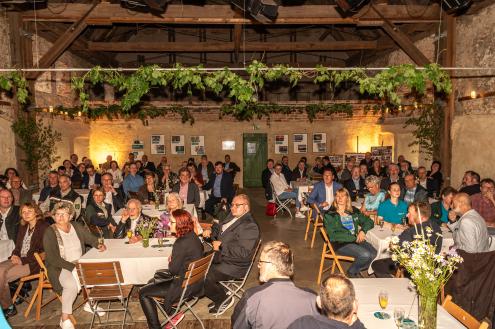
<point x="399" y="316"/>
<point x="381" y="222"/>
<point x="160" y="241"/>
<point x="383" y="299"/>
<point x="129" y="234"/>
<point x="101" y="240"/>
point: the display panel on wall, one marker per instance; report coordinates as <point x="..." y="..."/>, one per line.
<point x="157" y="144"/>
<point x="300" y="143"/>
<point x="281" y="144"/>
<point x="358" y="156"/>
<point x="178" y="144"/>
<point x="384" y="153"/>
<point x="319" y="142"/>
<point x="198" y="145"/>
<point x="337" y="160"/>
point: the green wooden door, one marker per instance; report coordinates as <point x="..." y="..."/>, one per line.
<point x="255" y="155"/>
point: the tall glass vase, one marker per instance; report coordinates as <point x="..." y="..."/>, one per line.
<point x="146" y="241"/>
<point x="427" y="311"/>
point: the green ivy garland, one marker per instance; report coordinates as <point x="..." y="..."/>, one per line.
<point x="15" y="82"/>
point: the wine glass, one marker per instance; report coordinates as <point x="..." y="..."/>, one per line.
<point x="129" y="234"/>
<point x="383" y="299"/>
<point x="399" y="316"/>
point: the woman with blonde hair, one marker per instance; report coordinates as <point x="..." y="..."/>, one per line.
<point x="346" y="227"/>
<point x="167" y="221"/>
<point x="22" y="262"/>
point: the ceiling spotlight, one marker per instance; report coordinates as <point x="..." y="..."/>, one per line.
<point x="350" y="6"/>
<point x="456" y="6"/>
<point x="264" y="11"/>
<point x="156" y="7"/>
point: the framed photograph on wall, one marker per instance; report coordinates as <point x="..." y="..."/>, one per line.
<point x="178" y="144"/>
<point x="300" y="142"/>
<point x="281" y="144"/>
<point x="157" y="144"/>
<point x="320" y="142"/>
<point x="198" y="145"/>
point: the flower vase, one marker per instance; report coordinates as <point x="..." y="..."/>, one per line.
<point x="146" y="242"/>
<point x="427" y="311"/>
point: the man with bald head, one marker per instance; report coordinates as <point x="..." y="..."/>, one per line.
<point x="469" y="231"/>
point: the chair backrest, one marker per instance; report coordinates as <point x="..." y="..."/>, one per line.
<point x="274" y="195"/>
<point x="328" y="244"/>
<point x="461" y="315"/>
<point x="100" y="274"/>
<point x="39" y="258"/>
<point x="252" y="262"/>
<point x="197" y="271"/>
<point x="318" y="216"/>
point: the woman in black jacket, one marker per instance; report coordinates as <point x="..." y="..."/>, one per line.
<point x="99" y="214"/>
<point x="187" y="248"/>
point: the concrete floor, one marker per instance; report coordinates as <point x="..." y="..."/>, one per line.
<point x="307" y="262"/>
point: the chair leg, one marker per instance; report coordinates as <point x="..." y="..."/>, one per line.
<point x="33" y="299"/>
<point x="333" y="266"/>
<point x="38" y="303"/>
<point x="307" y="226"/>
<point x="321" y="264"/>
<point x="315" y="227"/>
<point x="17" y="291"/>
<point x="341" y="269"/>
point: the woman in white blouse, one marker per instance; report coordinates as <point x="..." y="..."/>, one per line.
<point x="64" y="244"/>
<point x="116" y="173"/>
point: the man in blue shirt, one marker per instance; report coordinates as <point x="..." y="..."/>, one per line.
<point x="133" y="181"/>
<point x="222" y="188"/>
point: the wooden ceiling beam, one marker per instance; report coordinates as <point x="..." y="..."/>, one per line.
<point x="229" y="46"/>
<point x="107" y="13"/>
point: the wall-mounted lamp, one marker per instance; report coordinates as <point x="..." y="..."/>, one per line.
<point x="473" y="94"/>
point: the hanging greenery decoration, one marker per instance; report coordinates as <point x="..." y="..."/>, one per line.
<point x="428" y="130"/>
<point x="16" y="83"/>
<point x="243" y="90"/>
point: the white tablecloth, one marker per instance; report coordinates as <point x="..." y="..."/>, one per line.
<point x="138" y="264"/>
<point x="400" y="294"/>
<point x="83" y="192"/>
<point x="379" y="240"/>
<point x="151" y="211"/>
<point x="6" y="248"/>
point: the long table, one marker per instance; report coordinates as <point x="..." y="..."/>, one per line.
<point x="400" y="294"/>
<point x="138" y="264"/>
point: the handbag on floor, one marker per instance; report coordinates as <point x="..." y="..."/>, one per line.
<point x="271" y="209"/>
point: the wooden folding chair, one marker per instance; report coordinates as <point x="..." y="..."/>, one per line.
<point x="317" y="222"/>
<point x="196" y="272"/>
<point x="329" y="253"/>
<point x="462" y="316"/>
<point x="43" y="283"/>
<point x="104" y="282"/>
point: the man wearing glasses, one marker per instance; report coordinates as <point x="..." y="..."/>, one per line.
<point x="234" y="242"/>
<point x="112" y="196"/>
<point x="9" y="216"/>
<point x="278" y="302"/>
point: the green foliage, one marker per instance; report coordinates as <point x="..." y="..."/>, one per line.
<point x="428" y="132"/>
<point x="15" y="82"/>
<point x="38" y="141"/>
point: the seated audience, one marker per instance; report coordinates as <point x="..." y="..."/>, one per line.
<point x="196" y="176"/>
<point x="323" y="193"/>
<point x="188" y="192"/>
<point x="484" y="203"/>
<point x="92" y="179"/>
<point x="21" y="195"/>
<point x="393" y="177"/>
<point x="299" y="173"/>
<point x="261" y="304"/>
<point x="283" y="190"/>
<point x="347" y="171"/>
<point x="363" y="171"/>
<point x="377" y="169"/>
<point x="169" y="178"/>
<point x="126" y="169"/>
<point x="328" y="164"/>
<point x="78" y="176"/>
<point x="423" y="180"/>
<point x="286" y="171"/>
<point x="113" y="197"/>
<point x="167" y="220"/>
<point x="61" y="171"/>
<point x="131" y="217"/>
<point x="230" y="167"/>
<point x="69" y="168"/>
<point x="375" y="196"/>
<point x="470" y="183"/>
<point x="11" y="173"/>
<point x="440" y="209"/>
<point x="418" y="216"/>
<point x="205" y="168"/>
<point x="469" y="231"/>
<point x="22" y="262"/>
<point x="52" y="186"/>
<point x="74" y="161"/>
<point x="401" y="159"/>
<point x="367" y="161"/>
<point x="435" y="177"/>
<point x="64" y="193"/>
<point x="159" y="168"/>
<point x="355" y="185"/>
<point x="98" y="214"/>
<point x="107" y="164"/>
<point x="9" y="213"/>
<point x="413" y="192"/>
<point x="187" y="248"/>
<point x="346" y="227"/>
<point x="147" y="193"/>
<point x="133" y="181"/>
<point x="338" y="304"/>
<point x="116" y="173"/>
<point x="393" y="209"/>
<point x="265" y="178"/>
<point x="317" y="168"/>
<point x="139" y="167"/>
<point x="64" y="243"/>
<point x="148" y="166"/>
<point x="222" y="188"/>
<point x="404" y="169"/>
<point x="234" y="242"/>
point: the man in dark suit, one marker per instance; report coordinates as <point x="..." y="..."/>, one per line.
<point x="92" y="179"/>
<point x="205" y="168"/>
<point x="413" y="192"/>
<point x="300" y="172"/>
<point x="234" y="242"/>
<point x="286" y="171"/>
<point x="188" y="192"/>
<point x="222" y="188"/>
<point x="9" y="216"/>
<point x="393" y="177"/>
<point x="148" y="165"/>
<point x="368" y="160"/>
<point x="355" y="185"/>
<point x="51" y="186"/>
<point x="265" y="178"/>
<point x="230" y="167"/>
